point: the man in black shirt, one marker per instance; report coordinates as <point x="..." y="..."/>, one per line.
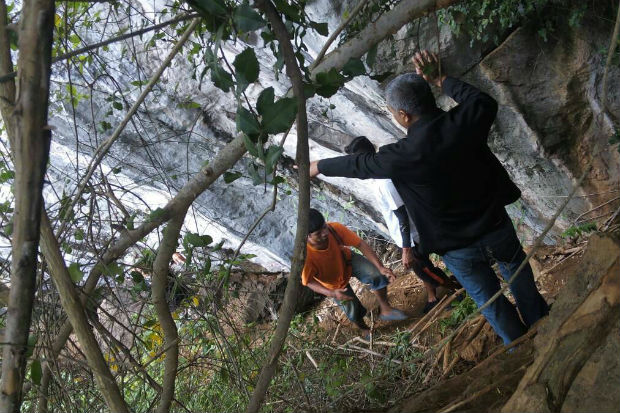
<point x="454" y="188"/>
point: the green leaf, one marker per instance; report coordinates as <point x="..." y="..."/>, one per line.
<point x="308" y="90"/>
<point x="214" y="7"/>
<point x="328" y="83"/>
<point x="75" y="272"/>
<point x="231" y="176"/>
<point x="6" y="175"/>
<point x="278" y="180"/>
<point x="277" y="118"/>
<point x="371" y="56"/>
<point x="218" y="246"/>
<point x="30" y="345"/>
<point x="354" y="67"/>
<point x="246" y="122"/>
<point x="207" y="265"/>
<point x="112" y="269"/>
<point x="190" y="105"/>
<point x="253" y="171"/>
<point x="246" y="68"/>
<point x="139" y="82"/>
<point x="79" y="234"/>
<point x="247" y="19"/>
<point x="249" y="145"/>
<point x="291" y="12"/>
<point x="273" y="154"/>
<point x="221" y="78"/>
<point x="137" y="277"/>
<point x="36" y="372"/>
<point x="197" y="240"/>
<point x="157" y="214"/>
<point x="117" y="105"/>
<point x="265" y="99"/>
<point x="321" y="28"/>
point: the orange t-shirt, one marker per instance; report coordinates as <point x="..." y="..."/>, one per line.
<point x="327" y="266"/>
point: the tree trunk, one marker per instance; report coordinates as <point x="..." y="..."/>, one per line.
<point x="299" y="252"/>
<point x="574" y="330"/>
<point x="32" y="141"/>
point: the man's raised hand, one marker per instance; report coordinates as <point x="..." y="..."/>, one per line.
<point x="427" y="65"/>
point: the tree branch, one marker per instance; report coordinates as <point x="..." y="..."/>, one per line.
<point x="161" y="267"/>
<point x="299" y="252"/>
<point x="70" y="301"/>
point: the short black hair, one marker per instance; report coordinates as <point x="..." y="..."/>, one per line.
<point x="315" y="220"/>
<point x="361" y="144"/>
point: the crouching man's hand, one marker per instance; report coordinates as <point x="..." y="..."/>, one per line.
<point x="341" y="294"/>
<point x="388" y="274"/>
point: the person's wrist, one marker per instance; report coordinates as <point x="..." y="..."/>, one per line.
<point x="441" y="80"/>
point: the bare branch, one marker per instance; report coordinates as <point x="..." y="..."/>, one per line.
<point x="75" y="311"/>
<point x="161" y="267"/>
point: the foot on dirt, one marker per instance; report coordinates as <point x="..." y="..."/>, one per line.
<point x="393" y="315"/>
<point x="365" y="334"/>
<point x="429" y="306"/>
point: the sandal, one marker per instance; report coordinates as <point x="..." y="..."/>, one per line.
<point x="394" y="315"/>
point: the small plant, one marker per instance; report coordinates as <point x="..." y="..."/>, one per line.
<point x="578" y="230"/>
<point x="459" y="313"/>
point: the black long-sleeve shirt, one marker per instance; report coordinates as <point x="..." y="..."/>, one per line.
<point x="450" y="181"/>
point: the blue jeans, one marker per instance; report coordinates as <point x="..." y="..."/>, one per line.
<point x="363" y="270"/>
<point x="472" y="268"/>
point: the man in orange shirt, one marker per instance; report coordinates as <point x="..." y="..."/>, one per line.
<point x="330" y="264"/>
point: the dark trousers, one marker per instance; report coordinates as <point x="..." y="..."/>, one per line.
<point x="472" y="268"/>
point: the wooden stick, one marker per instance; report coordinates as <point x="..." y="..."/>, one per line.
<point x="446" y="356"/>
<point x="336" y="334"/>
<point x="432" y="315"/>
<point x="450" y="367"/>
<point x="314" y="363"/>
<point x="374" y="353"/>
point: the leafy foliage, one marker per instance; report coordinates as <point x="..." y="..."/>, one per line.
<point x="578" y="230"/>
<point x="459" y="312"/>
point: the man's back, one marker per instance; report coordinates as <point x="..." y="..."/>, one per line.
<point x="445" y="172"/>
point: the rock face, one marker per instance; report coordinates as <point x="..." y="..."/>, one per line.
<point x="549" y="126"/>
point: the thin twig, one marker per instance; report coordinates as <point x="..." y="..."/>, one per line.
<point x="88" y="48"/>
<point x="595" y="208"/>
